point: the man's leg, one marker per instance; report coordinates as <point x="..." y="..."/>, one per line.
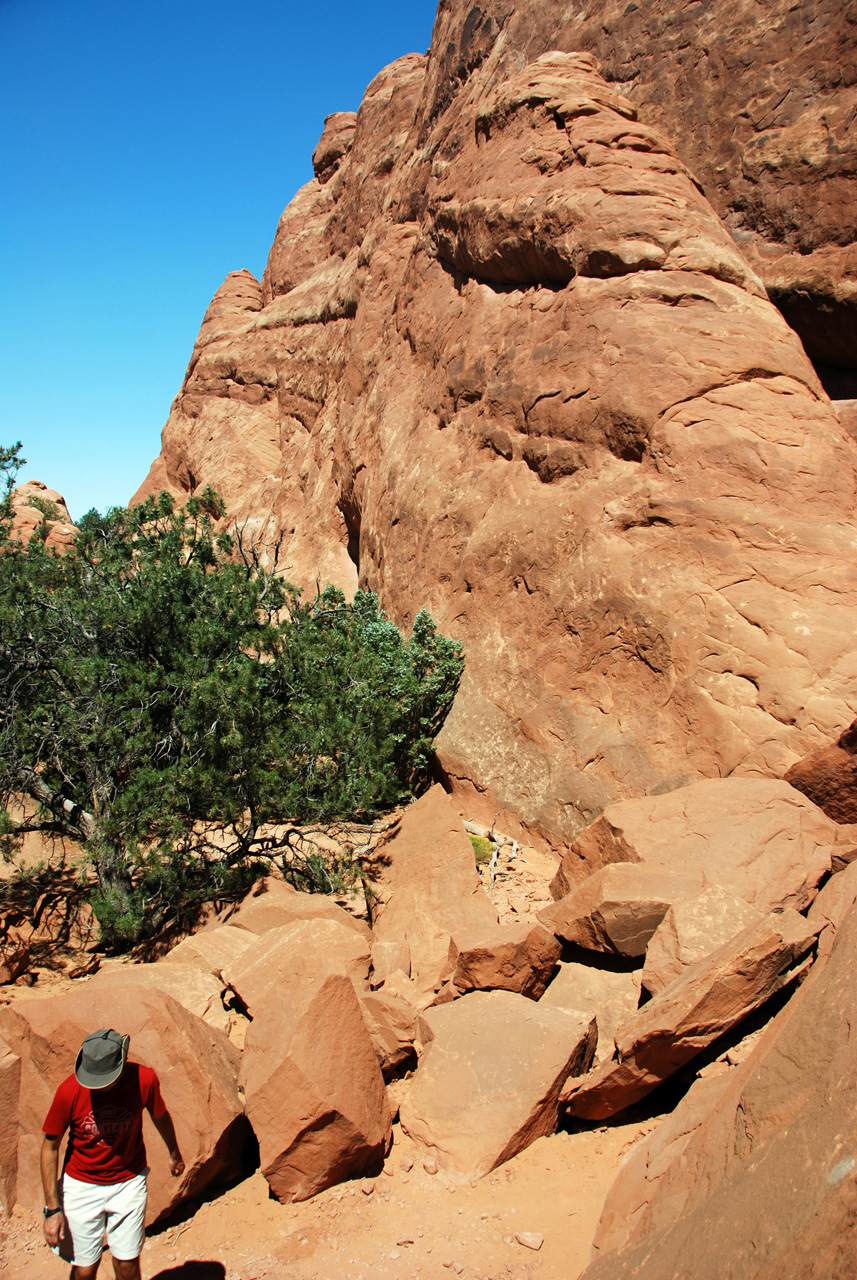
<point x="126" y="1212"/>
<point x="127" y="1270"/>
<point x="84" y="1273"/>
<point x="84" y="1217"/>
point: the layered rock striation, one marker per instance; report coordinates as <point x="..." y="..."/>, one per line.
<point x="506" y="362"/>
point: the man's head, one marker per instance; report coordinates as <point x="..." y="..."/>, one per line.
<point x="101" y="1060"/>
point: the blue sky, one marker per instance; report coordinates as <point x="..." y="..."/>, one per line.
<point x="147" y="151"/>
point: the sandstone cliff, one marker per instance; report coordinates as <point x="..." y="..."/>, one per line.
<point x="506" y="361"/>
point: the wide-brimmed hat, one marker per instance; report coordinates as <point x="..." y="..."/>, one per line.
<point x="101" y="1059"/>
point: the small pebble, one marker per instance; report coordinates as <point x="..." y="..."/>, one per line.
<point x="368" y="1188"/>
<point x="406" y="1165"/>
<point x="404" y="1240"/>
<point x="430" y="1165"/>
<point x="530" y="1239"/>
<point x="389" y="1172"/>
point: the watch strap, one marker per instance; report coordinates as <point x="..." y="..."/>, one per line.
<point x="49" y="1213"/>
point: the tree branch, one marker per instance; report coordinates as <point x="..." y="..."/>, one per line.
<point x="74" y="815"/>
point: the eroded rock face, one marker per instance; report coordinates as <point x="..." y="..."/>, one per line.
<point x="197" y="1067"/>
<point x="759" y="111"/>
<point x="754" y="1174"/>
<point x="505" y="362"/>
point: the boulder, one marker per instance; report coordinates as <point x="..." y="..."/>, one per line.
<point x="10" y="1087"/>
<point x="211" y="950"/>
<point x="610" y="996"/>
<point x="630" y="1196"/>
<point x="309" y="948"/>
<point x="619" y="907"/>
<point x="759" y="839"/>
<point x="708" y="999"/>
<point x="197" y="1067"/>
<point x="199" y="992"/>
<point x="762" y="1184"/>
<point x="518" y="957"/>
<point x="314" y="1091"/>
<point x="844" y="852"/>
<point x="832" y="905"/>
<point x="272" y="903"/>
<point x="489" y="1082"/>
<point x="691" y="929"/>
<point x="15" y="957"/>
<point x="398" y="1031"/>
<point x="829" y="777"/>
<point x="424" y="891"/>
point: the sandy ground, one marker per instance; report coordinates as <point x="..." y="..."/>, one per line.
<point x="405" y="1223"/>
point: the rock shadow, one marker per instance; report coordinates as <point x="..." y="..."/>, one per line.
<point x="196" y="1269"/>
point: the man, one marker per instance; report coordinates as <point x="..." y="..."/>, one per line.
<point x="104" y="1178"/>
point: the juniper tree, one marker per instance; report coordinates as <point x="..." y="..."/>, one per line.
<point x="171" y="703"/>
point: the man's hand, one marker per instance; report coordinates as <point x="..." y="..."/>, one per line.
<point x="55" y="1229"/>
<point x="164" y="1125"/>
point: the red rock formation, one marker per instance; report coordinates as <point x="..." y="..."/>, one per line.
<point x="708" y="999"/>
<point x="753" y="1175"/>
<point x="36" y="509"/>
<point x="505" y="362"/>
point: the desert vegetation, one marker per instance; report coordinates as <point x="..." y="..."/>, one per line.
<point x="178" y="708"/>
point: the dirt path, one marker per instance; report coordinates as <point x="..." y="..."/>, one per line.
<point x="400" y="1225"/>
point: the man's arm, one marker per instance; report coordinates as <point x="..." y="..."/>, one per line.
<point x="164" y="1125"/>
<point x="55" y="1224"/>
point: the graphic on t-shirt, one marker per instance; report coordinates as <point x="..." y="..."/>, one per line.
<point x="111" y="1122"/>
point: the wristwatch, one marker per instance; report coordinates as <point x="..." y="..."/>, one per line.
<point x="49" y="1213"/>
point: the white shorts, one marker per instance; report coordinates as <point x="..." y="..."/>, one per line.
<point x="91" y="1209"/>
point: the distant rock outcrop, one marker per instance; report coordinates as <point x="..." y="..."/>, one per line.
<point x="41" y="512"/>
<point x="505" y="361"/>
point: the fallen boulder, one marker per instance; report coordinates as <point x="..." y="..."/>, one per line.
<point x="489" y="1083"/>
<point x="211" y="950"/>
<point x="199" y="992"/>
<point x="619" y="907"/>
<point x="758" y="838"/>
<point x="314" y="1091"/>
<point x="610" y="996"/>
<point x="272" y="903"/>
<point x="831" y="907"/>
<point x="303" y="952"/>
<point x="197" y="1066"/>
<point x="398" y="1031"/>
<point x="518" y="957"/>
<point x="763" y="1182"/>
<point x="691" y="929"/>
<point x="708" y="999"/>
<point x="829" y="777"/>
<point x="424" y="892"/>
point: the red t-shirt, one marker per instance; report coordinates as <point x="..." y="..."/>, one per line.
<point x="106" y="1139"/>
